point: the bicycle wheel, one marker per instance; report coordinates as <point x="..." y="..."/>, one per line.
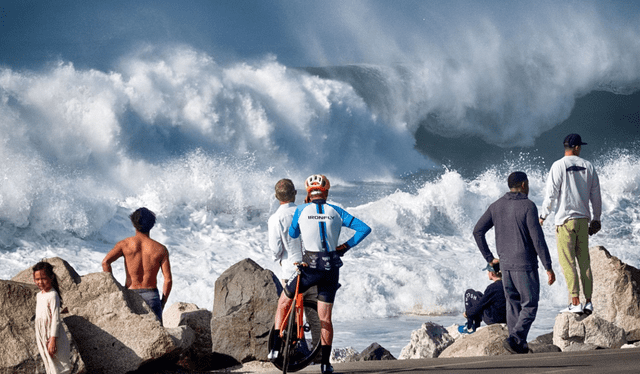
<point x="301" y="352"/>
<point x="289" y="339"/>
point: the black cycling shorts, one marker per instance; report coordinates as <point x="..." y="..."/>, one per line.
<point x="326" y="280"/>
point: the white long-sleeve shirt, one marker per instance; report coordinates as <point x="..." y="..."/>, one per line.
<point x="284" y="248"/>
<point x="572" y="183"/>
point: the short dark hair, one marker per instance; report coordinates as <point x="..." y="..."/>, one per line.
<point x="285" y="190"/>
<point x="516" y="178"/>
<point x="143" y="219"/>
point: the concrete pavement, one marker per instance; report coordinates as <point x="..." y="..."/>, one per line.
<point x="587" y="362"/>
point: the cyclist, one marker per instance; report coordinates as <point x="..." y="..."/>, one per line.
<point x="319" y="224"/>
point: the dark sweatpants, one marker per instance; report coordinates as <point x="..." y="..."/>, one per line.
<point x="522" y="290"/>
<point x="472" y="297"/>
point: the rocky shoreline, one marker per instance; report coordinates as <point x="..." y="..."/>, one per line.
<point x="112" y="330"/>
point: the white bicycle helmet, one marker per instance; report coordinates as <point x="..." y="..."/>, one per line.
<point x="317" y="182"/>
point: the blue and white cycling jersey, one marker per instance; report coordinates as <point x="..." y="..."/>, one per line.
<point x="320" y="224"/>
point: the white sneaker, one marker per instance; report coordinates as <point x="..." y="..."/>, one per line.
<point x="573" y="309"/>
<point x="588" y="308"/>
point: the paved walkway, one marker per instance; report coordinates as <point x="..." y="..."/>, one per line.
<point x="589" y="362"/>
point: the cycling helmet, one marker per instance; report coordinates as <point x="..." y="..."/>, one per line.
<point x="317" y="182"/>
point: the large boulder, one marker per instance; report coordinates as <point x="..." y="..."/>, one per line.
<point x="573" y="332"/>
<point x="427" y="342"/>
<point x="199" y="355"/>
<point x="375" y="352"/>
<point x="616" y="291"/>
<point x="115" y="329"/>
<point x="486" y="341"/>
<point x="244" y="306"/>
<point x="18" y="350"/>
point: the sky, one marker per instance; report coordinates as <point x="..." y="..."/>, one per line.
<point x="94" y="34"/>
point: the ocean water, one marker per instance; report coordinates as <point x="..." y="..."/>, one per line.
<point x="417" y="140"/>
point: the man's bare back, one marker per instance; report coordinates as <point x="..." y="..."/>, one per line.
<point x="143" y="258"/>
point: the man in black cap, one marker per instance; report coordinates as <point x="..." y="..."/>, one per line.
<point x="519" y="243"/>
<point x="573" y="183"/>
<point x="490" y="306"/>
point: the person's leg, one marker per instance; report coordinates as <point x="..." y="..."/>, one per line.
<point x="284" y="303"/>
<point x="566" y="240"/>
<point x="513" y="300"/>
<point x="327" y="288"/>
<point x="582" y="255"/>
<point x="471" y="298"/>
<point x="528" y="285"/>
<point x="326" y="326"/>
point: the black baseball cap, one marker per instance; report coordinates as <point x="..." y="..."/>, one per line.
<point x="495" y="268"/>
<point x="573" y="140"/>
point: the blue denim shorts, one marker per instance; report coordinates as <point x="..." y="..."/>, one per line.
<point x="152" y="298"/>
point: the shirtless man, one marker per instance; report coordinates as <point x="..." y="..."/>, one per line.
<point x="143" y="258"/>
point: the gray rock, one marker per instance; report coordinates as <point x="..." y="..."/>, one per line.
<point x="243" y="310"/>
<point x="573" y="332"/>
<point x="339" y="355"/>
<point x="486" y="341"/>
<point x="115" y="329"/>
<point x="616" y="291"/>
<point x="543" y="344"/>
<point x="183" y="337"/>
<point x="199" y="355"/>
<point x="19" y="351"/>
<point x="427" y="342"/>
<point x="375" y="352"/>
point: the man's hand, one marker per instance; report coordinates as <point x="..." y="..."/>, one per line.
<point x="494" y="261"/>
<point x="552" y="276"/>
<point x="342" y="249"/>
<point x="541" y="221"/>
<point x="594" y="227"/>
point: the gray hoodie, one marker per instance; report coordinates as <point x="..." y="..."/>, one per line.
<point x="519" y="236"/>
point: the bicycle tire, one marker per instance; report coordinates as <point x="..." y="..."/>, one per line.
<point x="302" y="360"/>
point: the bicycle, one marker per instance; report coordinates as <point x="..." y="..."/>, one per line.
<point x="296" y="352"/>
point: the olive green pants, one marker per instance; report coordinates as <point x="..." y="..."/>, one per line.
<point x="573" y="245"/>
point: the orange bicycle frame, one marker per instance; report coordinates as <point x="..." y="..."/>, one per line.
<point x="297" y="306"/>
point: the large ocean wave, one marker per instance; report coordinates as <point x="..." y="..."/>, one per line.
<point x="202" y="143"/>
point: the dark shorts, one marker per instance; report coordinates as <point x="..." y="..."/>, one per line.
<point x="326" y="280"/>
<point x="152" y="298"/>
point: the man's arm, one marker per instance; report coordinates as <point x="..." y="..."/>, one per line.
<point x="484" y="224"/>
<point x="551" y="192"/>
<point x="361" y="231"/>
<point x="113" y="255"/>
<point x="275" y="240"/>
<point x="166" y="274"/>
<point x="595" y="198"/>
<point x="294" y="229"/>
<point x="537" y="237"/>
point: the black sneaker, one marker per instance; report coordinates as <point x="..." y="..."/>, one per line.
<point x="326" y="369"/>
<point x="512" y="348"/>
<point x="507" y="345"/>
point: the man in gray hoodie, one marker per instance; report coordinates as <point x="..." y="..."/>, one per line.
<point x="519" y="243"/>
